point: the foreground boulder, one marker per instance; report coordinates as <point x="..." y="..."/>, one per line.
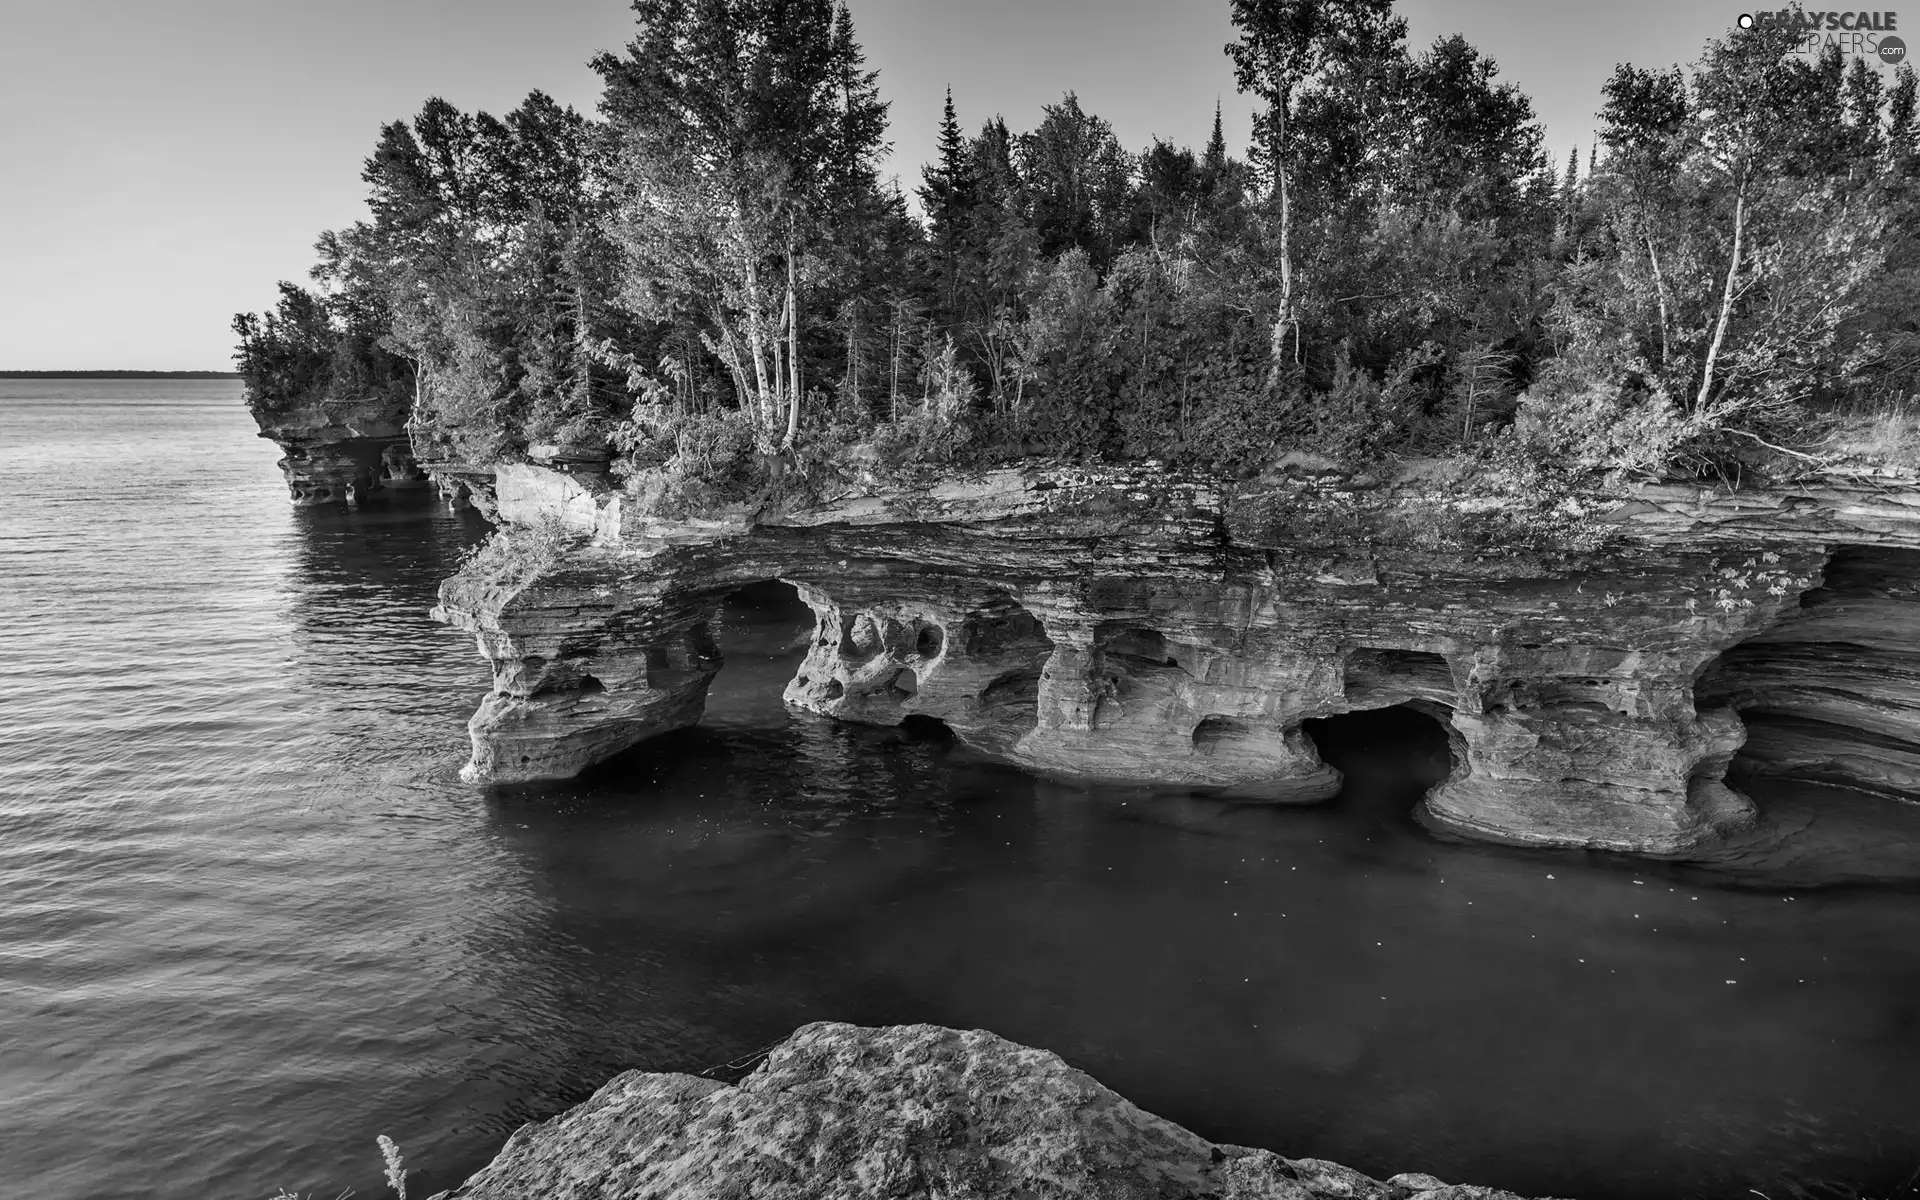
<point x="842" y="1112"/>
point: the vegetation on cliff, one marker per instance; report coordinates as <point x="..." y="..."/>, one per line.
<point x="710" y="280"/>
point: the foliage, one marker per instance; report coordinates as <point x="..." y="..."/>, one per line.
<point x="516" y="554"/>
<point x="709" y="278"/>
<point x="309" y="352"/>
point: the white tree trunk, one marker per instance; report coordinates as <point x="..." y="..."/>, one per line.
<point x="793" y="339"/>
<point x="1279" y="348"/>
<point x="1726" y="297"/>
<point x="756" y="344"/>
<point x="1660" y="294"/>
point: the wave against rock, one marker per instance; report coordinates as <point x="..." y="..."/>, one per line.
<point x="851" y="1113"/>
<point x="1121" y="625"/>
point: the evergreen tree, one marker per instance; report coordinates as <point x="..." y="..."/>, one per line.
<point x="1214" y="161"/>
<point x="945" y="196"/>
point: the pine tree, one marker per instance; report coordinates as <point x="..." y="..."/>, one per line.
<point x="945" y="195"/>
<point x="1215" y="160"/>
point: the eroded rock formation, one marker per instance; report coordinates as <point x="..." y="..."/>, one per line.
<point x="340" y="453"/>
<point x="1832" y="691"/>
<point x="1109" y="625"/>
<point x="849" y="1112"/>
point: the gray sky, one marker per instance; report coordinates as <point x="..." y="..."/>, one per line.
<point x="164" y="162"/>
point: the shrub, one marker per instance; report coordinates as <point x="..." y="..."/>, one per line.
<point x="1596" y="409"/>
<point x="517" y="554"/>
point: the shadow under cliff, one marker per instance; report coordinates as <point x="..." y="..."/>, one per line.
<point x="1830" y="697"/>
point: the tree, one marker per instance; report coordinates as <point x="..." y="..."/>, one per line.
<point x="1642" y="122"/>
<point x="1284" y="47"/>
<point x="944" y="195"/>
<point x="1741" y="85"/>
<point x="1077" y="179"/>
<point x="741" y="123"/>
<point x="1467" y="142"/>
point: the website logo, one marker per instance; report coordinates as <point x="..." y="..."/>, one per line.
<point x="1866" y="34"/>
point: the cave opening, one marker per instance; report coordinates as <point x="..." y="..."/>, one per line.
<point x="930" y="641"/>
<point x="1398" y="749"/>
<point x="774" y="597"/>
<point x="921" y="727"/>
<point x="1826" y="694"/>
<point x="1135" y="648"/>
<point x="1010" y="641"/>
<point x="761" y="632"/>
<point x="1214" y="730"/>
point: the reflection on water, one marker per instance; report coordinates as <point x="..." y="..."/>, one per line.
<point x="253" y="918"/>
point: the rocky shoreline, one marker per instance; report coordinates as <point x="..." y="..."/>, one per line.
<point x="843" y="1112"/>
<point x="1125" y="625"/>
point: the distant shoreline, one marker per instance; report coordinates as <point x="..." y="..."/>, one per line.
<point x="119" y="375"/>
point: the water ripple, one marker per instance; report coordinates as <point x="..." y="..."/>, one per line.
<point x="252" y="918"/>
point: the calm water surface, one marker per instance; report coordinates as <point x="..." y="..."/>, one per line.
<point x="250" y="918"/>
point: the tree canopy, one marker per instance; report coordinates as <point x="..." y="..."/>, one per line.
<point x="710" y="279"/>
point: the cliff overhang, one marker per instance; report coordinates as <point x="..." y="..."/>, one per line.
<point x="339" y="451"/>
<point x="1129" y="625"/>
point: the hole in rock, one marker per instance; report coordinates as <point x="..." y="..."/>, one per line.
<point x="1021" y="688"/>
<point x="1397" y="747"/>
<point x="923" y="727"/>
<point x="1010" y="647"/>
<point x="1005" y="629"/>
<point x="1211" y="731"/>
<point x="928" y="644"/>
<point x="761" y="635"/>
<point x="590" y="685"/>
<point x="906" y="685"/>
<point x="835" y="689"/>
<point x="861" y="637"/>
<point x="1135" y="648"/>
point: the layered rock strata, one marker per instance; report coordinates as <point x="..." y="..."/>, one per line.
<point x="1832" y="691"/>
<point x="854" y="1113"/>
<point x="341" y="453"/>
<point x="1111" y="625"/>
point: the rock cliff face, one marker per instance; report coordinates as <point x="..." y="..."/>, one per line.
<point x="1832" y="691"/>
<point x="850" y="1113"/>
<point x="341" y="453"/>
<point x="1118" y="625"/>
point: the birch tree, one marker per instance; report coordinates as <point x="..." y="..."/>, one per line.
<point x="1285" y="47"/>
<point x="738" y="120"/>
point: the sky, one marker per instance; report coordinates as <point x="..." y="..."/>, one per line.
<point x="163" y="163"/>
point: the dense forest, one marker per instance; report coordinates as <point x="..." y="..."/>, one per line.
<point x="710" y="279"/>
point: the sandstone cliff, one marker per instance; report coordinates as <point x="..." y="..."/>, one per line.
<point x="340" y="452"/>
<point x="839" y="1112"/>
<point x="1121" y="624"/>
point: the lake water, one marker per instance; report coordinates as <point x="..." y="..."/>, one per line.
<point x="250" y="918"/>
